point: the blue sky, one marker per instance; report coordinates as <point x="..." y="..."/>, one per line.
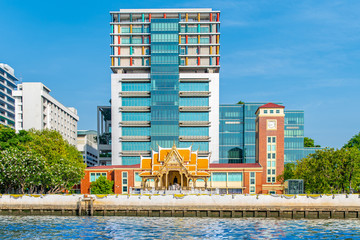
<point x="305" y="54"/>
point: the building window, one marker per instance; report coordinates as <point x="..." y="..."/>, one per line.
<point x="271" y="161"/>
<point x="265" y="111"/>
<point x="252" y="183"/>
<point x="95" y="176"/>
<point x="271" y="111"/>
<point x="124" y="182"/>
<point x="277" y="111"/>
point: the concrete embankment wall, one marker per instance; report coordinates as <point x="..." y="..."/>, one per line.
<point x="299" y="206"/>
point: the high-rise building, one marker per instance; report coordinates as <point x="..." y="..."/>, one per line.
<point x="237" y="134"/>
<point x="104" y="134"/>
<point x="35" y="108"/>
<point x="87" y="144"/>
<point x="7" y="102"/>
<point x="165" y="81"/>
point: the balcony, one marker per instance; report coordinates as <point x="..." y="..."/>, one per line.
<point x="134" y="109"/>
<point x="194" y="124"/>
<point x="195" y="94"/>
<point x="134" y="153"/>
<point x="134" y="94"/>
<point x="135" y="138"/>
<point x="194" y="138"/>
<point x="194" y="109"/>
<point x="135" y="124"/>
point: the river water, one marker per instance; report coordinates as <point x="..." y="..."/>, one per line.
<point x="58" y="227"/>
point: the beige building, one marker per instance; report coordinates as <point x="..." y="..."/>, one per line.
<point x="35" y="108"/>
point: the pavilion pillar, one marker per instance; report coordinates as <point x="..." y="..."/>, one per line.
<point x="194" y="181"/>
<point x="161" y="182"/>
<point x="166" y="180"/>
<point x="181" y="185"/>
<point x="156" y="184"/>
<point x="205" y="183"/>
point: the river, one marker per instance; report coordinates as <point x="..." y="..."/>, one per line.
<point x="58" y="227"/>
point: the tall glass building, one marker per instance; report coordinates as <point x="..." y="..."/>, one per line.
<point x="165" y="81"/>
<point x="237" y="134"/>
<point x="7" y="101"/>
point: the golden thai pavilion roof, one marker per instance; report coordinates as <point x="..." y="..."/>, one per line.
<point x="167" y="159"/>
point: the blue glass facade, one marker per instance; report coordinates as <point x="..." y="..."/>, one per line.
<point x="237" y="134"/>
<point x="164" y="82"/>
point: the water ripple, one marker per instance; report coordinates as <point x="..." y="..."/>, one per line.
<point x="58" y="227"/>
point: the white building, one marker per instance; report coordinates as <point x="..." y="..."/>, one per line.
<point x="165" y="81"/>
<point x="87" y="145"/>
<point x="7" y="102"/>
<point x="35" y="108"/>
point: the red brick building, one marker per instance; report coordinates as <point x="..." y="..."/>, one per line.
<point x="181" y="167"/>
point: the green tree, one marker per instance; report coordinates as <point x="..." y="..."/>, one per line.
<point x="63" y="167"/>
<point x="353" y="142"/>
<point x="21" y="170"/>
<point x="102" y="186"/>
<point x="64" y="161"/>
<point x="240" y="102"/>
<point x="308" y="142"/>
<point x="9" y="138"/>
<point x="288" y="173"/>
<point x="330" y="170"/>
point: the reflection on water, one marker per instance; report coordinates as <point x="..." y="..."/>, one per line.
<point x="55" y="227"/>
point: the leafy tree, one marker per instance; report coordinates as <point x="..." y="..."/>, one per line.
<point x="240" y="102"/>
<point x="308" y="142"/>
<point x="329" y="171"/>
<point x="20" y="170"/>
<point x="353" y="142"/>
<point x="288" y="173"/>
<point x="9" y="138"/>
<point x="102" y="186"/>
<point x="63" y="167"/>
<point x="65" y="163"/>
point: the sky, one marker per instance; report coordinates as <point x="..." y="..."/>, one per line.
<point x="305" y="54"/>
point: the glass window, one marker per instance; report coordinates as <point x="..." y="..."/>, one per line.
<point x="268" y="171"/>
<point x="271" y="111"/>
<point x="194" y="131"/>
<point x="124" y="189"/>
<point x="268" y="179"/>
<point x="265" y="111"/>
<point x="194" y="101"/>
<point x="194" y="86"/>
<point x="269" y="139"/>
<point x="136" y="101"/>
<point x="273" y="156"/>
<point x="268" y="164"/>
<point x="135" y="116"/>
<point x="274" y="139"/>
<point x="135" y="87"/>
<point x="269" y="156"/>
<point x="273" y="172"/>
<point x="269" y="148"/>
<point x="273" y="163"/>
<point x="252" y="174"/>
<point x="252" y="189"/>
<point x="252" y="181"/>
<point x="219" y="177"/>
<point x="136" y="131"/>
<point x="234" y="177"/>
<point x="273" y="148"/>
<point x="273" y="179"/>
<point x="137" y="177"/>
<point x="277" y="111"/>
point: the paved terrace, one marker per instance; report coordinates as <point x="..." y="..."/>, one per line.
<point x="186" y="205"/>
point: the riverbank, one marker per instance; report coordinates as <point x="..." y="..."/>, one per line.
<point x="185" y="205"/>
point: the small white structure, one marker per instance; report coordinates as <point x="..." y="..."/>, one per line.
<point x="35" y="108"/>
<point x="87" y="145"/>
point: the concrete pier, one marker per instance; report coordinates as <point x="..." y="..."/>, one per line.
<point x="190" y="205"/>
